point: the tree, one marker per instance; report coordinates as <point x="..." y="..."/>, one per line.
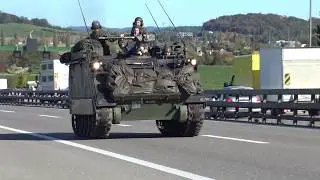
<point x="43" y="38"/>
<point x="15" y="38"/>
<point x="55" y="39"/>
<point x="68" y="39"/>
<point x="22" y="80"/>
<point x="2" y="38"/>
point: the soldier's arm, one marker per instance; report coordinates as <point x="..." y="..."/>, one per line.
<point x="139" y="38"/>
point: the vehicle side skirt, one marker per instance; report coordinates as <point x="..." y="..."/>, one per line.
<point x="166" y="111"/>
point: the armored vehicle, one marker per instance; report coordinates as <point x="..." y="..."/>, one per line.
<point x="159" y="84"/>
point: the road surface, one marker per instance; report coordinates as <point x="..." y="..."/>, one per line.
<point x="38" y="143"/>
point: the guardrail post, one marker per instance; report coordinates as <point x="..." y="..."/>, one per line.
<point x="295" y="111"/>
<point x="250" y="109"/>
<point x="237" y="108"/>
<point x="280" y="110"/>
<point x="264" y="110"/>
<point x="312" y="112"/>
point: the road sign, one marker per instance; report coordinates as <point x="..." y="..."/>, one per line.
<point x="287" y="79"/>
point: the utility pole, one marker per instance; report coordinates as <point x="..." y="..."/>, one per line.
<point x="310" y="24"/>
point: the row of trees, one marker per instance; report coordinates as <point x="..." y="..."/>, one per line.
<point x="10" y="18"/>
<point x="263" y="26"/>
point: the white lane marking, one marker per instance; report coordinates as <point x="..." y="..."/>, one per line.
<point x="151" y="165"/>
<point x="236" y="139"/>
<point x="44" y="115"/>
<point x="124" y="125"/>
<point x="7" y="111"/>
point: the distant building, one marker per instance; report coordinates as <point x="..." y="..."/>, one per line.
<point x="185" y="34"/>
<point x="284" y="43"/>
<point x="32" y="45"/>
<point x="53" y="75"/>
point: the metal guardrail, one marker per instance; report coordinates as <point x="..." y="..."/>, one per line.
<point x="58" y="99"/>
<point x="272" y="103"/>
<point x="276" y="104"/>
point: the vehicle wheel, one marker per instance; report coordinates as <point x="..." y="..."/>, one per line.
<point x="93" y="126"/>
<point x="189" y="128"/>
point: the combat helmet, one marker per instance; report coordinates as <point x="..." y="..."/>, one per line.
<point x="138" y="19"/>
<point x="95" y="25"/>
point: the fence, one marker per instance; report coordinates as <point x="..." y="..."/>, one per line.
<point x="58" y="99"/>
<point x="222" y="104"/>
<point x="268" y="104"/>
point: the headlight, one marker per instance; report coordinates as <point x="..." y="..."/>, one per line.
<point x="96" y="65"/>
<point x="193" y="62"/>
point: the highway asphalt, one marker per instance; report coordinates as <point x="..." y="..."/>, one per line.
<point x="38" y="143"/>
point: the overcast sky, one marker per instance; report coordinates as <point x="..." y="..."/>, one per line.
<point x="120" y="13"/>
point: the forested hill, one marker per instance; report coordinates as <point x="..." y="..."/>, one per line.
<point x="10" y="18"/>
<point x="279" y="27"/>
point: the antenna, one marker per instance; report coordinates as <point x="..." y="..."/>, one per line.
<point x="85" y="23"/>
<point x="171" y="22"/>
<point x="184" y="44"/>
<point x="153" y="18"/>
<point x="84" y="19"/>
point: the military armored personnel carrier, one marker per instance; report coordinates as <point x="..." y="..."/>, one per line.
<point x="161" y="84"/>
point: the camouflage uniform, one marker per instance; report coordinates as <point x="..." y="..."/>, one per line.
<point x="136" y="46"/>
<point x="97" y="32"/>
<point x="134" y="25"/>
<point x="167" y="50"/>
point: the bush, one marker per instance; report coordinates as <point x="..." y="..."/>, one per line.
<point x="16" y="80"/>
<point x="217" y="58"/>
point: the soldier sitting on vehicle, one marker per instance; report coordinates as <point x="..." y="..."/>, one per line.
<point x="166" y="50"/>
<point x="136" y="46"/>
<point x="138" y="22"/>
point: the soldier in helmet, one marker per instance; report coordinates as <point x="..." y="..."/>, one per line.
<point x="138" y="22"/>
<point x="136" y="46"/>
<point x="97" y="32"/>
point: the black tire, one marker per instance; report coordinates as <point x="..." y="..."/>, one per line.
<point x="91" y="126"/>
<point x="189" y="128"/>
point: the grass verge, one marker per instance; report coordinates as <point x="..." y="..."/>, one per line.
<point x="213" y="77"/>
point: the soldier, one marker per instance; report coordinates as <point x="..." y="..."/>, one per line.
<point x="139" y="39"/>
<point x="97" y="32"/>
<point x="138" y="22"/>
<point x="166" y="50"/>
<point x="136" y="45"/>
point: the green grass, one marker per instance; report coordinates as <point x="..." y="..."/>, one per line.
<point x="23" y="30"/>
<point x="7" y="48"/>
<point x="31" y="77"/>
<point x="41" y="48"/>
<point x="213" y="77"/>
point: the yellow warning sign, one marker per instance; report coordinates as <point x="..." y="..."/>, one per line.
<point x="255" y="61"/>
<point x="287" y="79"/>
